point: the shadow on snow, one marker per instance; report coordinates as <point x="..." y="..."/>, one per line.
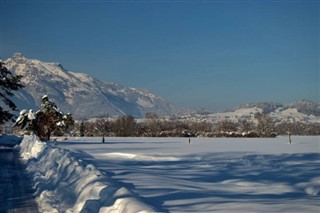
<point x="220" y="177"/>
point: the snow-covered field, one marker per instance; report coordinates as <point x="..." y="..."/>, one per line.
<point x="208" y="175"/>
<point x="170" y="175"/>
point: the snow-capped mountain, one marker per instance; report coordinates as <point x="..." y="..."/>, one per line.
<point x="80" y="94"/>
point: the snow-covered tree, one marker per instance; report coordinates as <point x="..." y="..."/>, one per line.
<point x="46" y="120"/>
<point x="8" y="84"/>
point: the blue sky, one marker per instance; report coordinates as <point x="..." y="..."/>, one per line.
<point x="196" y="54"/>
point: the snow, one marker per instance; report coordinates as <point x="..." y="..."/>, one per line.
<point x="210" y="174"/>
<point x="65" y="183"/>
<point x="171" y="175"/>
<point x="292" y="115"/>
<point x="144" y="102"/>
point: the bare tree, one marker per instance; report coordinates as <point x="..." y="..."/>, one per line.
<point x="103" y="127"/>
<point x="125" y="126"/>
<point x="266" y="126"/>
<point x="227" y="126"/>
<point x="246" y="126"/>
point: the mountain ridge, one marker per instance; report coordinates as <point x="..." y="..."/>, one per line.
<point x="87" y="97"/>
<point x="81" y="94"/>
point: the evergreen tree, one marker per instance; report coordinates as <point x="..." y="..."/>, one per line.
<point x="46" y="120"/>
<point x="8" y="84"/>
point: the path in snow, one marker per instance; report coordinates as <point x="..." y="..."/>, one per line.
<point x="16" y="194"/>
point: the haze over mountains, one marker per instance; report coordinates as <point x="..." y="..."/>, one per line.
<point x="87" y="97"/>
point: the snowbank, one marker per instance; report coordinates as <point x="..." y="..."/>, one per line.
<point x="64" y="183"/>
<point x="10" y="140"/>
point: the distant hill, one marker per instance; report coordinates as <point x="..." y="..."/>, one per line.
<point x="303" y="106"/>
<point x="306" y="107"/>
<point x="266" y="107"/>
<point x="80" y="94"/>
<point x="301" y="111"/>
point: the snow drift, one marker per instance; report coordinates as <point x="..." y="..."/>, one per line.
<point x="64" y="183"/>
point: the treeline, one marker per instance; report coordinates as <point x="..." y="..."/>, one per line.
<point x="153" y="126"/>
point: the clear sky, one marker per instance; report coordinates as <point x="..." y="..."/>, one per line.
<point x="196" y="54"/>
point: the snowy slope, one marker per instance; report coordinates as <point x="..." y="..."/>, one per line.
<point x="79" y="93"/>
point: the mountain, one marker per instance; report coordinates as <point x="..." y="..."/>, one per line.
<point x="80" y="94"/>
